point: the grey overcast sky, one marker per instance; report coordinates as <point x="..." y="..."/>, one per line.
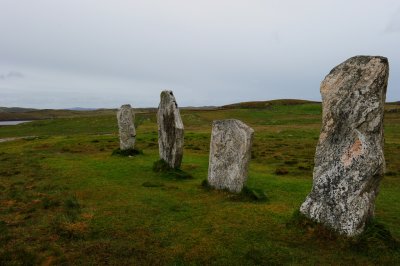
<point x="103" y="53"/>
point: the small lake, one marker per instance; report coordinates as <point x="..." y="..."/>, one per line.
<point x="13" y="123"/>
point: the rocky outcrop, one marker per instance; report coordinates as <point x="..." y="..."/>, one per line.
<point x="170" y="130"/>
<point x="127" y="132"/>
<point x="349" y="159"/>
<point x="230" y="153"/>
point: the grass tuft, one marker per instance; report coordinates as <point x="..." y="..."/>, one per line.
<point x="70" y="224"/>
<point x="3" y="228"/>
<point x="69" y="227"/>
<point x="254" y="194"/>
<point x="250" y="195"/>
<point x="17" y="256"/>
<point x="304" y="167"/>
<point x="311" y="228"/>
<point x="72" y="203"/>
<point x="281" y="171"/>
<point x="375" y="238"/>
<point x="128" y="152"/>
<point x="48" y="203"/>
<point x="291" y="162"/>
<point x="247" y="194"/>
<point x="205" y="184"/>
<point x="152" y="184"/>
<point x="162" y="166"/>
<point x="390" y="173"/>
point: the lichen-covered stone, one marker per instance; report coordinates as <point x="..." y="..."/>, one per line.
<point x="349" y="159"/>
<point x="230" y="153"/>
<point x="127" y="132"/>
<point x="170" y="130"/>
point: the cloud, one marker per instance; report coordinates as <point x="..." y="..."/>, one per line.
<point x="103" y="53"/>
<point x="15" y="74"/>
<point x="12" y="74"/>
<point x="394" y="23"/>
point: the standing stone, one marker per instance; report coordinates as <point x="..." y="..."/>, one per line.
<point x="127" y="133"/>
<point x="230" y="152"/>
<point x="170" y="130"/>
<point x="349" y="160"/>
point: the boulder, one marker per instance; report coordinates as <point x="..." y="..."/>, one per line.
<point x="230" y="153"/>
<point x="127" y="132"/>
<point x="170" y="130"/>
<point x="349" y="159"/>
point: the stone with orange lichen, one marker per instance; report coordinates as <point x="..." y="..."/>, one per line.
<point x="349" y="160"/>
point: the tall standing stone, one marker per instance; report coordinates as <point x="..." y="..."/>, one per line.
<point x="230" y="153"/>
<point x="127" y="132"/>
<point x="170" y="130"/>
<point x="349" y="159"/>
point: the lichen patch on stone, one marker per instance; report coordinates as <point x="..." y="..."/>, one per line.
<point x="349" y="155"/>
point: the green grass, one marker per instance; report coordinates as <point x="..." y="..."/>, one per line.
<point x="64" y="199"/>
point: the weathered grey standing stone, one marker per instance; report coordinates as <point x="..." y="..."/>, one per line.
<point x="230" y="152"/>
<point x="349" y="160"/>
<point x="127" y="133"/>
<point x="170" y="130"/>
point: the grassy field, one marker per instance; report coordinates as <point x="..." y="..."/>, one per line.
<point x="64" y="199"/>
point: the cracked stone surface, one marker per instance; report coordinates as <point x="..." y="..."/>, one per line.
<point x="230" y="153"/>
<point x="127" y="132"/>
<point x="170" y="130"/>
<point x="349" y="159"/>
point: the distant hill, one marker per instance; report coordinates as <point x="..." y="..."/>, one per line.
<point x="18" y="113"/>
<point x="266" y="104"/>
<point x="211" y="107"/>
<point x="14" y="114"/>
<point x="15" y="110"/>
<point x="81" y="109"/>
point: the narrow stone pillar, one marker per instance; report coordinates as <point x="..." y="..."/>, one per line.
<point x="170" y="130"/>
<point x="349" y="159"/>
<point x="230" y="153"/>
<point x="127" y="132"/>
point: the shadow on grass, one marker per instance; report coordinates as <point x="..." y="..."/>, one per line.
<point x="18" y="256"/>
<point x="127" y="153"/>
<point x="375" y="237"/>
<point x="162" y="167"/>
<point x="247" y="194"/>
<point x="375" y="241"/>
<point x="152" y="184"/>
